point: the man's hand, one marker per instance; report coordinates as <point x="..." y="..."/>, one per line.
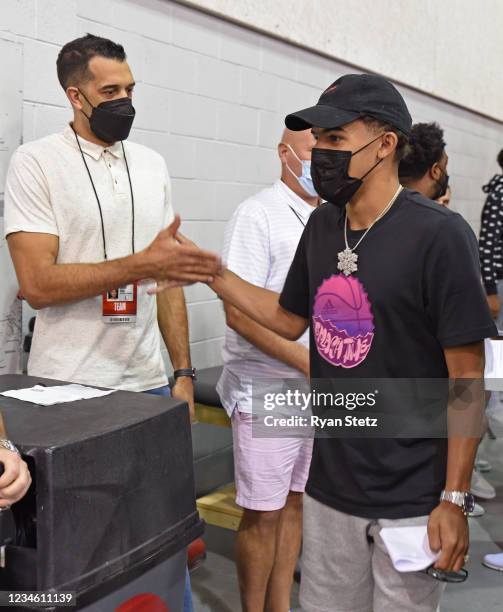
<point x="16" y="479"/>
<point x="183" y="389"/>
<point x="494" y="305"/>
<point x="176" y="261"/>
<point x="448" y="532"/>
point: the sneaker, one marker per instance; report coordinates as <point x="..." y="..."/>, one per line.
<point x="481" y="488"/>
<point x="477" y="511"/>
<point x="494" y="562"/>
<point x="483" y="466"/>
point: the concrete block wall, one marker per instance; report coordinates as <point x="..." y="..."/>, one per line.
<point x="450" y="48"/>
<point x="211" y="97"/>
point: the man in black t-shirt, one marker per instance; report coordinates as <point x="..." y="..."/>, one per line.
<point x="389" y="284"/>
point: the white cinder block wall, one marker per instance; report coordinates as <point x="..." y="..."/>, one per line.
<point x="211" y="97"/>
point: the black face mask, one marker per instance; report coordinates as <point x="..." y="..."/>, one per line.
<point x="111" y="120"/>
<point x="329" y="171"/>
<point x="442" y="185"/>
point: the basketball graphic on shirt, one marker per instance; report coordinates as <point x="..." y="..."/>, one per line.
<point x="343" y="323"/>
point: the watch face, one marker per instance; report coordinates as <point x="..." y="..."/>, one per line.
<point x="469" y="503"/>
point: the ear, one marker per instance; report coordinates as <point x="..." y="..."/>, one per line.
<point x="72" y="93"/>
<point x="282" y="152"/>
<point x="388" y="145"/>
<point x="435" y="172"/>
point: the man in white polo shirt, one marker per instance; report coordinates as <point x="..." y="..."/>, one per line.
<point x="84" y="214"/>
<point x="260" y="242"/>
<point x="86" y="218"/>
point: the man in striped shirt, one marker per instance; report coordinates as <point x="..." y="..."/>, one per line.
<point x="260" y="242"/>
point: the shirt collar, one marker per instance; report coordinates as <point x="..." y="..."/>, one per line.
<point x="90" y="148"/>
<point x="296" y="202"/>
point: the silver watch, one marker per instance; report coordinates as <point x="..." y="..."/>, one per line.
<point x="463" y="499"/>
<point x="7" y="444"/>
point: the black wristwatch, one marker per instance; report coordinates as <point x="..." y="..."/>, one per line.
<point x="190" y="372"/>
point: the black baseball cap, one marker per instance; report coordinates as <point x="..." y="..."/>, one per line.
<point x="353" y="96"/>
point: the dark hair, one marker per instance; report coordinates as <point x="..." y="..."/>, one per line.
<point x="73" y="59"/>
<point x="377" y="125"/>
<point x="500" y="159"/>
<point x="427" y="146"/>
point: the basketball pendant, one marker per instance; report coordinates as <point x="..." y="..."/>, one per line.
<point x="347" y="262"/>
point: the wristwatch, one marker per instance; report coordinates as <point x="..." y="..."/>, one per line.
<point x="190" y="372"/>
<point x="7" y="444"/>
<point x="463" y="499"/>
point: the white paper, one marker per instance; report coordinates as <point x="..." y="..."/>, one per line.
<point x="48" y="396"/>
<point x="494" y="358"/>
<point x="409" y="548"/>
<point x="494" y="365"/>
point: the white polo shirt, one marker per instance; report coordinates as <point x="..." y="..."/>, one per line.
<point x="48" y="190"/>
<point x="259" y="245"/>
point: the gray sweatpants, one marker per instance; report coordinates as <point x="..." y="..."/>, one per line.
<point x="342" y="571"/>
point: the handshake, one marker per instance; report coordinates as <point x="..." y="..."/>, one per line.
<point x="175" y="261"/>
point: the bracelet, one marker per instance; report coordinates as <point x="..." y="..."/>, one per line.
<point x="190" y="372"/>
<point x="8" y="445"/>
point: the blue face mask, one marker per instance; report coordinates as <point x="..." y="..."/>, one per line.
<point x="304" y="180"/>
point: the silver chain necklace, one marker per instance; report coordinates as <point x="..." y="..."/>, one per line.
<point x="348" y="257"/>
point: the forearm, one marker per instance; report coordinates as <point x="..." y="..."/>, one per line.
<point x="44" y="282"/>
<point x="260" y="304"/>
<point x="62" y="283"/>
<point x="289" y="352"/>
<point x="174" y="327"/>
<point x="466" y="412"/>
<point x="460" y="462"/>
<point x="466" y="425"/>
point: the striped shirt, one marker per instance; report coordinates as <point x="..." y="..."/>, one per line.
<point x="491" y="235"/>
<point x="259" y="244"/>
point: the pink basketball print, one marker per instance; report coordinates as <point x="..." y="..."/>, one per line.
<point x="343" y="322"/>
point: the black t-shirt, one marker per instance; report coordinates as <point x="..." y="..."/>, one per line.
<point x="417" y="290"/>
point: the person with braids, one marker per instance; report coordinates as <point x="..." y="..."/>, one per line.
<point x="424" y="168"/>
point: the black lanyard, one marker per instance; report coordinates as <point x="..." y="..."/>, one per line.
<point x="297" y="215"/>
<point x="98" y="200"/>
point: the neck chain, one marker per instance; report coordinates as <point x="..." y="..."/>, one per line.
<point x="297" y="215"/>
<point x="348" y="257"/>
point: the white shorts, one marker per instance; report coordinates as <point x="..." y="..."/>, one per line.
<point x="266" y="469"/>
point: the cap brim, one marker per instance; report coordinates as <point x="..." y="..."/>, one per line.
<point x="321" y="115"/>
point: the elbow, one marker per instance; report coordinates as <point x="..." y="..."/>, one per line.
<point x="35" y="298"/>
<point x="232" y="317"/>
<point x="292" y="326"/>
<point x="291" y="332"/>
<point x="292" y="335"/>
<point x="37" y="304"/>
